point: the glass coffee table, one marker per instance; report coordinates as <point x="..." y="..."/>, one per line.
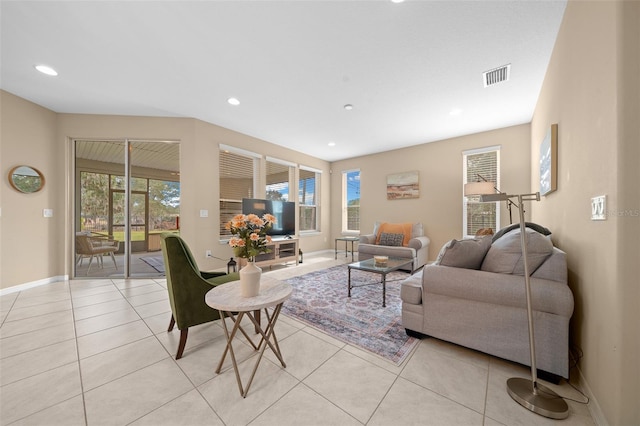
<point x="369" y="265"/>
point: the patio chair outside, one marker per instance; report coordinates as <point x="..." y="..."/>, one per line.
<point x="93" y="246"/>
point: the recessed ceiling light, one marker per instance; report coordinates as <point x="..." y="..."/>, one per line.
<point x="46" y="70"/>
<point x="397" y="1"/>
<point x="331" y="144"/>
<point x="348" y="107"/>
<point x="233" y="101"/>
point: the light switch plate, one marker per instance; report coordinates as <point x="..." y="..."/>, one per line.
<point x="599" y="208"/>
<point x="47" y="212"/>
<point x="204" y="213"/>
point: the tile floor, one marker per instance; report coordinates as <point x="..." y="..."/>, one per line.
<point x="94" y="352"/>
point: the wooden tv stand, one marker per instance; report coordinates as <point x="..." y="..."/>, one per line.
<point x="283" y="250"/>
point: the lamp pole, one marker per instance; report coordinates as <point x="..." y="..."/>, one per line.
<point x="529" y="393"/>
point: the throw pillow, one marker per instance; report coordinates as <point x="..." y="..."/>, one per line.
<point x="387" y="239"/>
<point x="505" y="254"/>
<point x="465" y="253"/>
<point x="395" y="228"/>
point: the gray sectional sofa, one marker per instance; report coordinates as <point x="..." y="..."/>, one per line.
<point x="474" y="296"/>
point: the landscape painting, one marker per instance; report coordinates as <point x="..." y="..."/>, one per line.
<point x="403" y="185"/>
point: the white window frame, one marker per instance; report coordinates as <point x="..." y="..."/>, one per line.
<point x="317" y="193"/>
<point x="466" y="179"/>
<point x="345" y="204"/>
<point x="291" y="168"/>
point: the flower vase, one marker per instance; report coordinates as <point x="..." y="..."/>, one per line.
<point x="250" y="280"/>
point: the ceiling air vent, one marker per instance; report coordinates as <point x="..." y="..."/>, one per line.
<point x="496" y="75"/>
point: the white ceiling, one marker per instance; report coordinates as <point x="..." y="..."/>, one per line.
<point x="292" y="64"/>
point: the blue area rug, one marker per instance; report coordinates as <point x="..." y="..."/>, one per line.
<point x="320" y="300"/>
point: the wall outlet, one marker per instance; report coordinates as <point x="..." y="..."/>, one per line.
<point x="207" y="253"/>
<point x="599" y="208"/>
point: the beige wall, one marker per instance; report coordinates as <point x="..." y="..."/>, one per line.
<point x="591" y="90"/>
<point x="46" y="142"/>
<point x="439" y="164"/>
<point x="34" y="248"/>
<point x="628" y="90"/>
<point x="29" y="240"/>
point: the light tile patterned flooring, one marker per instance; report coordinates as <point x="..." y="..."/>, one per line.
<point x="97" y="352"/>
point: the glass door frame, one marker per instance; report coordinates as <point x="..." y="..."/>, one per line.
<point x="112" y="224"/>
<point x="129" y="146"/>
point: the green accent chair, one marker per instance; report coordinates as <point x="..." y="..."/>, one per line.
<point x="187" y="286"/>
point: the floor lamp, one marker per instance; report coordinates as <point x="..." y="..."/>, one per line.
<point x="528" y="393"/>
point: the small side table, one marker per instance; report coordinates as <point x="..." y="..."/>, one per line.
<point x="226" y="298"/>
<point x="346" y="242"/>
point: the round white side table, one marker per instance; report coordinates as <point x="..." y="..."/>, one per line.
<point x="226" y="298"/>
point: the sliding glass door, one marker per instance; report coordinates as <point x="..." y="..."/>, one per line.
<point x="127" y="194"/>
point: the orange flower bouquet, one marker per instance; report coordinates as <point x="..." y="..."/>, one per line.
<point x="250" y="234"/>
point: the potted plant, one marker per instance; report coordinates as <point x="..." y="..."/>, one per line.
<point x="250" y="239"/>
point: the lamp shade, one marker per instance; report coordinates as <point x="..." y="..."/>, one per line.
<point x="479" y="188"/>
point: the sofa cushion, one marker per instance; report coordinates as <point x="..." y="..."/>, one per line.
<point x="387" y="239"/>
<point x="505" y="254"/>
<point x="395" y="228"/>
<point x="465" y="253"/>
<point x="376" y="249"/>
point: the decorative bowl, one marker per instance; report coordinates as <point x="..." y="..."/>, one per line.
<point x="380" y="260"/>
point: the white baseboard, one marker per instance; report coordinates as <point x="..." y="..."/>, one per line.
<point x="32" y="284"/>
<point x="594" y="408"/>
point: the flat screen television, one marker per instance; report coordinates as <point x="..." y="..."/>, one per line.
<point x="284" y="212"/>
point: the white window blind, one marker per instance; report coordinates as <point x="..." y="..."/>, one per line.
<point x="237" y="171"/>
<point x="479" y="165"/>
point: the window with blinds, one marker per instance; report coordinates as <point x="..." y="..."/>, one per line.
<point x="307" y="199"/>
<point x="480" y="165"/>
<point x="236" y="182"/>
<point x="277" y="181"/>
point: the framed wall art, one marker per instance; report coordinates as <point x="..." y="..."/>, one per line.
<point x="403" y="185"/>
<point x="549" y="161"/>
